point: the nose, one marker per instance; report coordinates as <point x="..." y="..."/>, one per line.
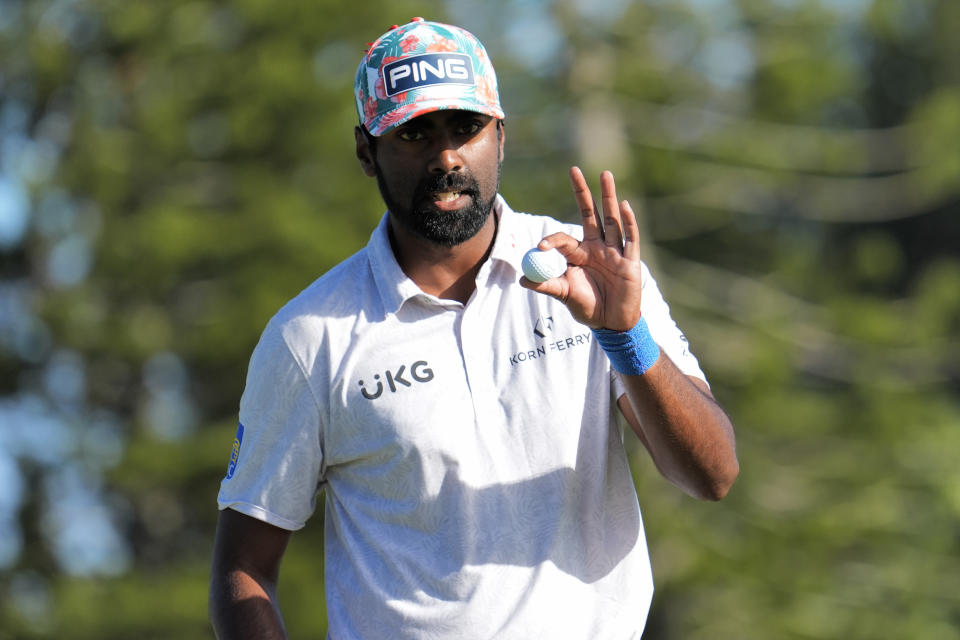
<point x="446" y="157"/>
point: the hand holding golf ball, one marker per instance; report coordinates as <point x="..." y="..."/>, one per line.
<point x="598" y="278"/>
<point x="540" y="266"/>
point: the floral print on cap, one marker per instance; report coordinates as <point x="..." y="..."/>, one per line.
<point x="422" y="67"/>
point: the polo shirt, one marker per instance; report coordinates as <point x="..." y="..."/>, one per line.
<point x="475" y="477"/>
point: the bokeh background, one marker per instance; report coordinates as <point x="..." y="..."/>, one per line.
<point x="171" y="172"/>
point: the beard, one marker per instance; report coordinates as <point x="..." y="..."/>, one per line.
<point x="443" y="228"/>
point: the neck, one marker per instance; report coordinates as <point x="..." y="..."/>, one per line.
<point x="445" y="272"/>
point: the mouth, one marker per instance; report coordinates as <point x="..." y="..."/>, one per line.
<point x="450" y="200"/>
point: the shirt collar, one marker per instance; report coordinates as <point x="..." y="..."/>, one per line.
<point x="507" y="247"/>
<point x="395" y="287"/>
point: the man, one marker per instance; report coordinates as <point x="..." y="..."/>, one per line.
<point x="458" y="416"/>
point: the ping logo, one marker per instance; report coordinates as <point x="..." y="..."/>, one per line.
<point x="420" y="371"/>
<point x="235" y="453"/>
<point x="425" y="70"/>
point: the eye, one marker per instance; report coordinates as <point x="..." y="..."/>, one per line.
<point x="470" y="127"/>
<point x="410" y="134"/>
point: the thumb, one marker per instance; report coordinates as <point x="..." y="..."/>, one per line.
<point x="557" y="287"/>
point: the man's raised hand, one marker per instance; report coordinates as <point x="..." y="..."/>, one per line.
<point x="602" y="284"/>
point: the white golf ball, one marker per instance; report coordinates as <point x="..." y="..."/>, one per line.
<point x="540" y="266"/>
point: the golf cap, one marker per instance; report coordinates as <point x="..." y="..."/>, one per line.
<point x="422" y="67"/>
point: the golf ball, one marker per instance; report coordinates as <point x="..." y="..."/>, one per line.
<point x="540" y="266"/>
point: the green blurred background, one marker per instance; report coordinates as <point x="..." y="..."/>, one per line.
<point x="171" y="172"/>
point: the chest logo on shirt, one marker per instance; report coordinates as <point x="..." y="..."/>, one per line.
<point x="543" y="326"/>
<point x="542" y="350"/>
<point x="548" y="342"/>
<point x="419" y="372"/>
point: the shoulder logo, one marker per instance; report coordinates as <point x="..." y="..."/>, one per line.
<point x="425" y="70"/>
<point x="235" y="452"/>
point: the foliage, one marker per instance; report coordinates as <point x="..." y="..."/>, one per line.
<point x="173" y="172"/>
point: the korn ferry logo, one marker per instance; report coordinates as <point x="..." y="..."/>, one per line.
<point x="426" y="70"/>
<point x="543" y="349"/>
<point x="543" y="326"/>
<point x="419" y="371"/>
<point x="548" y="343"/>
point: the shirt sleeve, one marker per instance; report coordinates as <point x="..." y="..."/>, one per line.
<point x="275" y="466"/>
<point x="664" y="330"/>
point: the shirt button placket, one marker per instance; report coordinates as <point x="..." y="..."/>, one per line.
<point x="475" y="341"/>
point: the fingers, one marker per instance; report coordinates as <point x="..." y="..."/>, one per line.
<point x="617" y="225"/>
<point x="592" y="227"/>
<point x="613" y="236"/>
<point x="631" y="232"/>
<point x="562" y="242"/>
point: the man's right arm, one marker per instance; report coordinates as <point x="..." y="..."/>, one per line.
<point x="243" y="581"/>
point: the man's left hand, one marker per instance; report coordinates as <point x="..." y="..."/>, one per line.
<point x="602" y="284"/>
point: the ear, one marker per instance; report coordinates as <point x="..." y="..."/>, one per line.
<point x="503" y="137"/>
<point x="364" y="153"/>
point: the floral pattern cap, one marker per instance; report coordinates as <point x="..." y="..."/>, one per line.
<point x="422" y="67"/>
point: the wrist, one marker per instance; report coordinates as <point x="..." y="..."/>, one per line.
<point x="630" y="352"/>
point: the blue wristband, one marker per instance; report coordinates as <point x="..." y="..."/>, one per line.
<point x="630" y="352"/>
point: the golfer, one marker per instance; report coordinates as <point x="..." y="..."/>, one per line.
<point x="459" y="419"/>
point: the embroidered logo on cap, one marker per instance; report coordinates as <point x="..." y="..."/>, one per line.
<point x="426" y="70"/>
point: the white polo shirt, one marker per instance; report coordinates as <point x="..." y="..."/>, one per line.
<point x="476" y="481"/>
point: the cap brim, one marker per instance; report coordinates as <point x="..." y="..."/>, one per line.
<point x="405" y="113"/>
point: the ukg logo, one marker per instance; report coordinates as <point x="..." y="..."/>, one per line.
<point x="419" y="372"/>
